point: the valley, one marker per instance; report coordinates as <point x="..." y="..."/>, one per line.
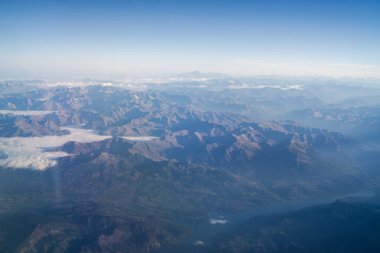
<point x="107" y="169"/>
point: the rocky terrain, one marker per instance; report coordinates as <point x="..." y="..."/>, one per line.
<point x="164" y="162"/>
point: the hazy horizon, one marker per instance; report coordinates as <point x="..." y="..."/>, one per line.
<point x="102" y="39"/>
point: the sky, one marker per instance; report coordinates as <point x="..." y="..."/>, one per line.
<point x="93" y="38"/>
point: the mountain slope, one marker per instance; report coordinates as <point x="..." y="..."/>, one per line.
<point x="338" y="227"/>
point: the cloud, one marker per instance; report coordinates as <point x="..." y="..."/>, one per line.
<point x="26" y="113"/>
<point x="30" y="152"/>
<point x="218" y="221"/>
<point x="198" y="243"/>
<point x="139" y="138"/>
<point x="250" y="67"/>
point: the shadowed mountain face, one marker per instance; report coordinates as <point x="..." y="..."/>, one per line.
<point x="82" y="229"/>
<point x="25" y="126"/>
<point x="117" y="172"/>
<point x="141" y="204"/>
<point x="246" y="145"/>
<point x="338" y="227"/>
<point x="164" y="164"/>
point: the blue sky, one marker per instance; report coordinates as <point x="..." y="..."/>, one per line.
<point x="90" y="38"/>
